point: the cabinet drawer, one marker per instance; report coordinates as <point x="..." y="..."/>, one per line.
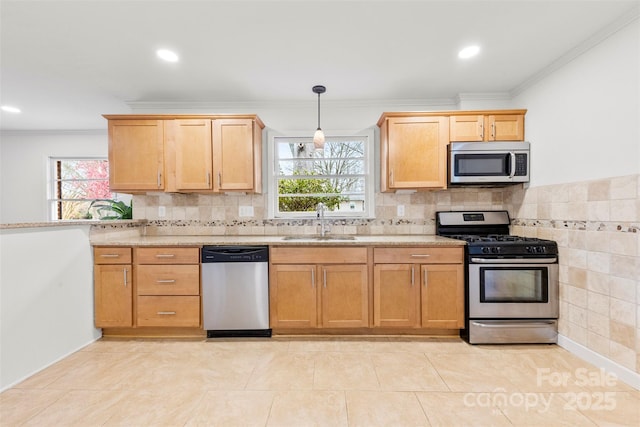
<point x="177" y="311"/>
<point x="418" y="255"/>
<point x="168" y="279"/>
<point x="318" y="255"/>
<point x="111" y="255"/>
<point x="167" y="255"/>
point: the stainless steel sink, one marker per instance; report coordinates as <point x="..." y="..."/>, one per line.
<point x="315" y="237"/>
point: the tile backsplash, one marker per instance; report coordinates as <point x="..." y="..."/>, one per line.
<point x="219" y="214"/>
<point x="597" y="227"/>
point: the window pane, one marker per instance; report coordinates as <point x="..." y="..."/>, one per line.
<point x="74" y="210"/>
<point x="336" y="175"/>
<point x="75" y="183"/>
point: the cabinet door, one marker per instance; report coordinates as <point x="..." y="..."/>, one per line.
<point x="293" y="296"/>
<point x="505" y="127"/>
<point x="194" y="162"/>
<point x="443" y="296"/>
<point x="417" y="152"/>
<point x="466" y="128"/>
<point x="396" y="295"/>
<point x="233" y="155"/>
<point x="136" y="155"/>
<point x="113" y="296"/>
<point x="345" y="299"/>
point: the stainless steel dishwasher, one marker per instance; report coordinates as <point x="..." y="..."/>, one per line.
<point x="235" y="291"/>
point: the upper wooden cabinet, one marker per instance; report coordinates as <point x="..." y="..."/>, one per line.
<point x="413" y="145"/>
<point x="494" y="126"/>
<point x="191" y="145"/>
<point x="237" y="155"/>
<point x="413" y="152"/>
<point x="136" y="155"/>
<point x="195" y="153"/>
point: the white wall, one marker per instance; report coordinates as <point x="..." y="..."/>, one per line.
<point x="46" y="298"/>
<point x="24" y="160"/>
<point x="583" y="120"/>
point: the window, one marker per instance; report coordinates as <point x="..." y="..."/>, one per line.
<point x="75" y="183"/>
<point x="340" y="176"/>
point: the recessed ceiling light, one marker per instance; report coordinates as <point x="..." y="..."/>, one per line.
<point x="10" y="109"/>
<point x="469" y="52"/>
<point x="167" y="55"/>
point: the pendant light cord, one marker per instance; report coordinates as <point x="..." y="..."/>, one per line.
<point x="318" y="110"/>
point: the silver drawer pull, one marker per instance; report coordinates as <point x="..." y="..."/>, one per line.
<point x="166" y="313"/>
<point x="110" y="255"/>
<point x="165" y="255"/>
<point x="166" y="281"/>
<point x="420" y="255"/>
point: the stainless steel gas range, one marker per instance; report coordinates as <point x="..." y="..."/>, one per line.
<point x="511" y="286"/>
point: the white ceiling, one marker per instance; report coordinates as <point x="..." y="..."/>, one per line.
<point x="64" y="63"/>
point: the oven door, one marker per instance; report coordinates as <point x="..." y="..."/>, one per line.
<point x="513" y="288"/>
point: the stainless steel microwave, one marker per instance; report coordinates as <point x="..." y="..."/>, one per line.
<point x="488" y="163"/>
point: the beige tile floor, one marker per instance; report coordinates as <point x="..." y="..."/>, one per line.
<point x="319" y="381"/>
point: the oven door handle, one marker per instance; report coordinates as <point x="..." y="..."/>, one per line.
<point x="514" y="261"/>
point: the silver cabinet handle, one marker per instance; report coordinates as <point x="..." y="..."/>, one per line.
<point x="481" y="130"/>
<point x="125" y="277"/>
<point x="324" y="277"/>
<point x="165" y="255"/>
<point x="391" y="176"/>
<point x="493" y="131"/>
<point x="424" y="278"/>
<point x="413" y="275"/>
<point x="420" y="255"/>
<point x="313" y="278"/>
<point x="208" y="179"/>
<point x="159" y="179"/>
<point x="110" y="255"/>
<point x="166" y="313"/>
<point x="166" y="281"/>
<point x="219" y="179"/>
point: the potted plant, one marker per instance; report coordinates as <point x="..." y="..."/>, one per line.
<point x="111" y="209"/>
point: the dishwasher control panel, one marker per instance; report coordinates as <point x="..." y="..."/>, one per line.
<point x="217" y="254"/>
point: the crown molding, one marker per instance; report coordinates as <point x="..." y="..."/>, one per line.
<point x="603" y="34"/>
<point x="164" y="106"/>
<point x="49" y="132"/>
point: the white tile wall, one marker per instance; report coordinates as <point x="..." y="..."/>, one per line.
<point x="597" y="227"/>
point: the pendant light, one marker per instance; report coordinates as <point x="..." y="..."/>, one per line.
<point x="318" y="137"/>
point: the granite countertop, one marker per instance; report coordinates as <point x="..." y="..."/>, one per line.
<point x="387" y="240"/>
<point x="68" y="223"/>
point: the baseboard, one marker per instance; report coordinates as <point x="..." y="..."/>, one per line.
<point x="64" y="356"/>
<point x="625" y="375"/>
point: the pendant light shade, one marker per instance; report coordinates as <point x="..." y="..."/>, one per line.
<point x="318" y="137"/>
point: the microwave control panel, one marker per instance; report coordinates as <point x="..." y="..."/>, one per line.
<point x="521" y="165"/>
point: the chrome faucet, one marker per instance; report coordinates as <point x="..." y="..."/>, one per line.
<point x="320" y="208"/>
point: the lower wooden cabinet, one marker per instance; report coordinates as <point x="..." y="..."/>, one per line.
<point x="147" y="287"/>
<point x="442" y="296"/>
<point x="113" y="287"/>
<point x="173" y="311"/>
<point x="396" y="300"/>
<point x="419" y="287"/>
<point x="167" y="287"/>
<point x="319" y="287"/>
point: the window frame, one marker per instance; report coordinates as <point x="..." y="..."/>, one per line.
<point x="52" y="200"/>
<point x="369" y="177"/>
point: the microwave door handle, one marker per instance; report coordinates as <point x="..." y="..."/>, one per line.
<point x="512" y="173"/>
